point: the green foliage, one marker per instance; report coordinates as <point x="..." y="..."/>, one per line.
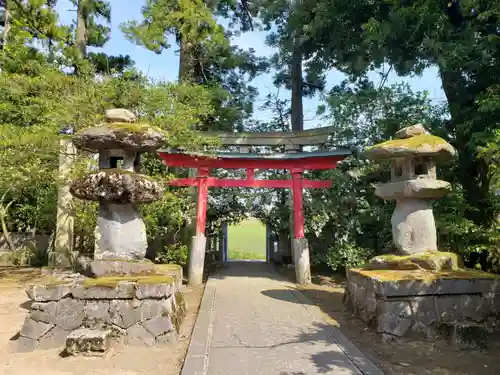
<point x="173" y="254"/>
<point x="190" y="20"/>
<point x="359" y="36"/>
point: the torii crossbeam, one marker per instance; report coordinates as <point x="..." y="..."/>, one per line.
<point x="296" y="163"/>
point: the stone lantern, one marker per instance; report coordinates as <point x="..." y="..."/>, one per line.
<point x="413" y="156"/>
<point x="120" y="231"/>
<point x="121" y="296"/>
<point x="420" y="291"/>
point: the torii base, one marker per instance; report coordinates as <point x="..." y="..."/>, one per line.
<point x="196" y="260"/>
<point x="300" y="249"/>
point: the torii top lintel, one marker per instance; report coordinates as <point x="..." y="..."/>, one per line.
<point x="299" y="160"/>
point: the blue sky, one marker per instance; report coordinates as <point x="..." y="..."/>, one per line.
<point x="165" y="66"/>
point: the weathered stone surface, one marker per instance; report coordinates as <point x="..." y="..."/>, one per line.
<point x="124" y="313"/>
<point x="410" y="131"/>
<point x="159" y="325"/>
<point x="69" y="314"/>
<point x="88" y="342"/>
<point x="150" y="309"/>
<point x="120" y="136"/>
<point x="25" y="345"/>
<point x="121" y="290"/>
<point x="121" y="233"/>
<point x="44" y="293"/>
<point x="143" y="291"/>
<point x="424" y="310"/>
<point x="440" y="302"/>
<point x="108" y="267"/>
<point x="166" y="306"/>
<point x="117" y="186"/>
<point x="398" y="308"/>
<point x="34" y="330"/>
<point x="469" y="336"/>
<point x="419" y="145"/>
<point x="119" y="115"/>
<point x="422" y="188"/>
<point x="448" y="308"/>
<point x="413" y="226"/>
<point x="55" y="338"/>
<point x="398" y="283"/>
<point x="96" y="313"/>
<point x="393" y="324"/>
<point x="475" y="307"/>
<point x="138" y="335"/>
<point x="43" y="311"/>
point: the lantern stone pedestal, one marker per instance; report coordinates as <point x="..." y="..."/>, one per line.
<point x="421" y="291"/>
<point x="120" y="295"/>
<point x="462" y="306"/>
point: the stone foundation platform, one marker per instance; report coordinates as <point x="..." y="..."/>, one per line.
<point x="462" y="306"/>
<point x="144" y="310"/>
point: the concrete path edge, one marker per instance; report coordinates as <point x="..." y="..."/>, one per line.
<point x="196" y="360"/>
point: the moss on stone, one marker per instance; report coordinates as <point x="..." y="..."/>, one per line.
<point x="179" y="299"/>
<point x="180" y="311"/>
<point x="424" y="275"/>
<point x="169" y="267"/>
<point x="419" y="144"/>
<point x="412" y="142"/>
<point x="131" y="127"/>
<point x="113" y="281"/>
<point x="430" y="260"/>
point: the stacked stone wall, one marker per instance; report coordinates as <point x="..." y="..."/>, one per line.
<point x="465" y="311"/>
<point x="140" y="313"/>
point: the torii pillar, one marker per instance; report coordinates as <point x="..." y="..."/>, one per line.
<point x="300" y="247"/>
<point x="199" y="241"/>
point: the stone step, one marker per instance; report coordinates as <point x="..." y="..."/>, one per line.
<point x="88" y="342"/>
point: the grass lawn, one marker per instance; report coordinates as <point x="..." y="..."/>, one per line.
<point x="247" y="240"/>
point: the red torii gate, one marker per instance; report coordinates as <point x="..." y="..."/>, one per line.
<point x="296" y="163"/>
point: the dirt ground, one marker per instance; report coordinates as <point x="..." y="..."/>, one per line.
<point x="165" y="360"/>
<point x="397" y="358"/>
<point x="404" y="357"/>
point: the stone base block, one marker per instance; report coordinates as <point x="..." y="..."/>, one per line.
<point x="146" y="309"/>
<point x="108" y="267"/>
<point x="88" y="342"/>
<point x="460" y="305"/>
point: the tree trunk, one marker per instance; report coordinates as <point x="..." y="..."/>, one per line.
<point x="6" y="26"/>
<point x="81" y="27"/>
<point x="183" y="60"/>
<point x="297" y="81"/>
<point x="297" y="107"/>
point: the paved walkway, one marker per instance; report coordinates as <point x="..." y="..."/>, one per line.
<point x="251" y="322"/>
